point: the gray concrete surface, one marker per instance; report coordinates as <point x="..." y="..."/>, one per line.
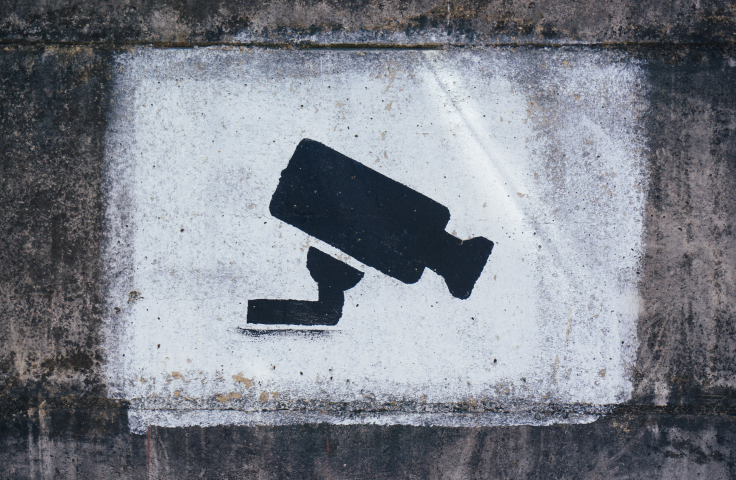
<point x="95" y="444"/>
<point x="423" y="21"/>
<point x="57" y="420"/>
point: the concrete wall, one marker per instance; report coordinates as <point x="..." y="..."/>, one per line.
<point x="56" y="93"/>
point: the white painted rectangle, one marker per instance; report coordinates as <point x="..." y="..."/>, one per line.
<point x="539" y="151"/>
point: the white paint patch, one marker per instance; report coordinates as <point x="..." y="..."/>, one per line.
<point x="538" y="151"/>
<point x="141" y="419"/>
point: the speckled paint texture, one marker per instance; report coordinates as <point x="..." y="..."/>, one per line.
<point x="541" y="152"/>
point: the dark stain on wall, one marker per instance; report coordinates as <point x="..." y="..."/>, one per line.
<point x="79" y="442"/>
<point x="687" y="324"/>
<point x="91" y="443"/>
<point x="52" y="125"/>
<point x="614" y="447"/>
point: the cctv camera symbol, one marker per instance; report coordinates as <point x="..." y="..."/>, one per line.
<point x="374" y="219"/>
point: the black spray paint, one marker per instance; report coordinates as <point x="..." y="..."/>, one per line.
<point x="333" y="277"/>
<point x="372" y="218"/>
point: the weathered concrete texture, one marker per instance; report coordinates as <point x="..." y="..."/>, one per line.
<point x="616" y="447"/>
<point x="52" y="119"/>
<point x="418" y="21"/>
<point x="91" y="444"/>
<point x="687" y="327"/>
<point x="53" y="106"/>
<point x="81" y="443"/>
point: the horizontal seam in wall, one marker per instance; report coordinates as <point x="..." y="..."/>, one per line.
<point x="367" y="45"/>
<point x="552" y="410"/>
